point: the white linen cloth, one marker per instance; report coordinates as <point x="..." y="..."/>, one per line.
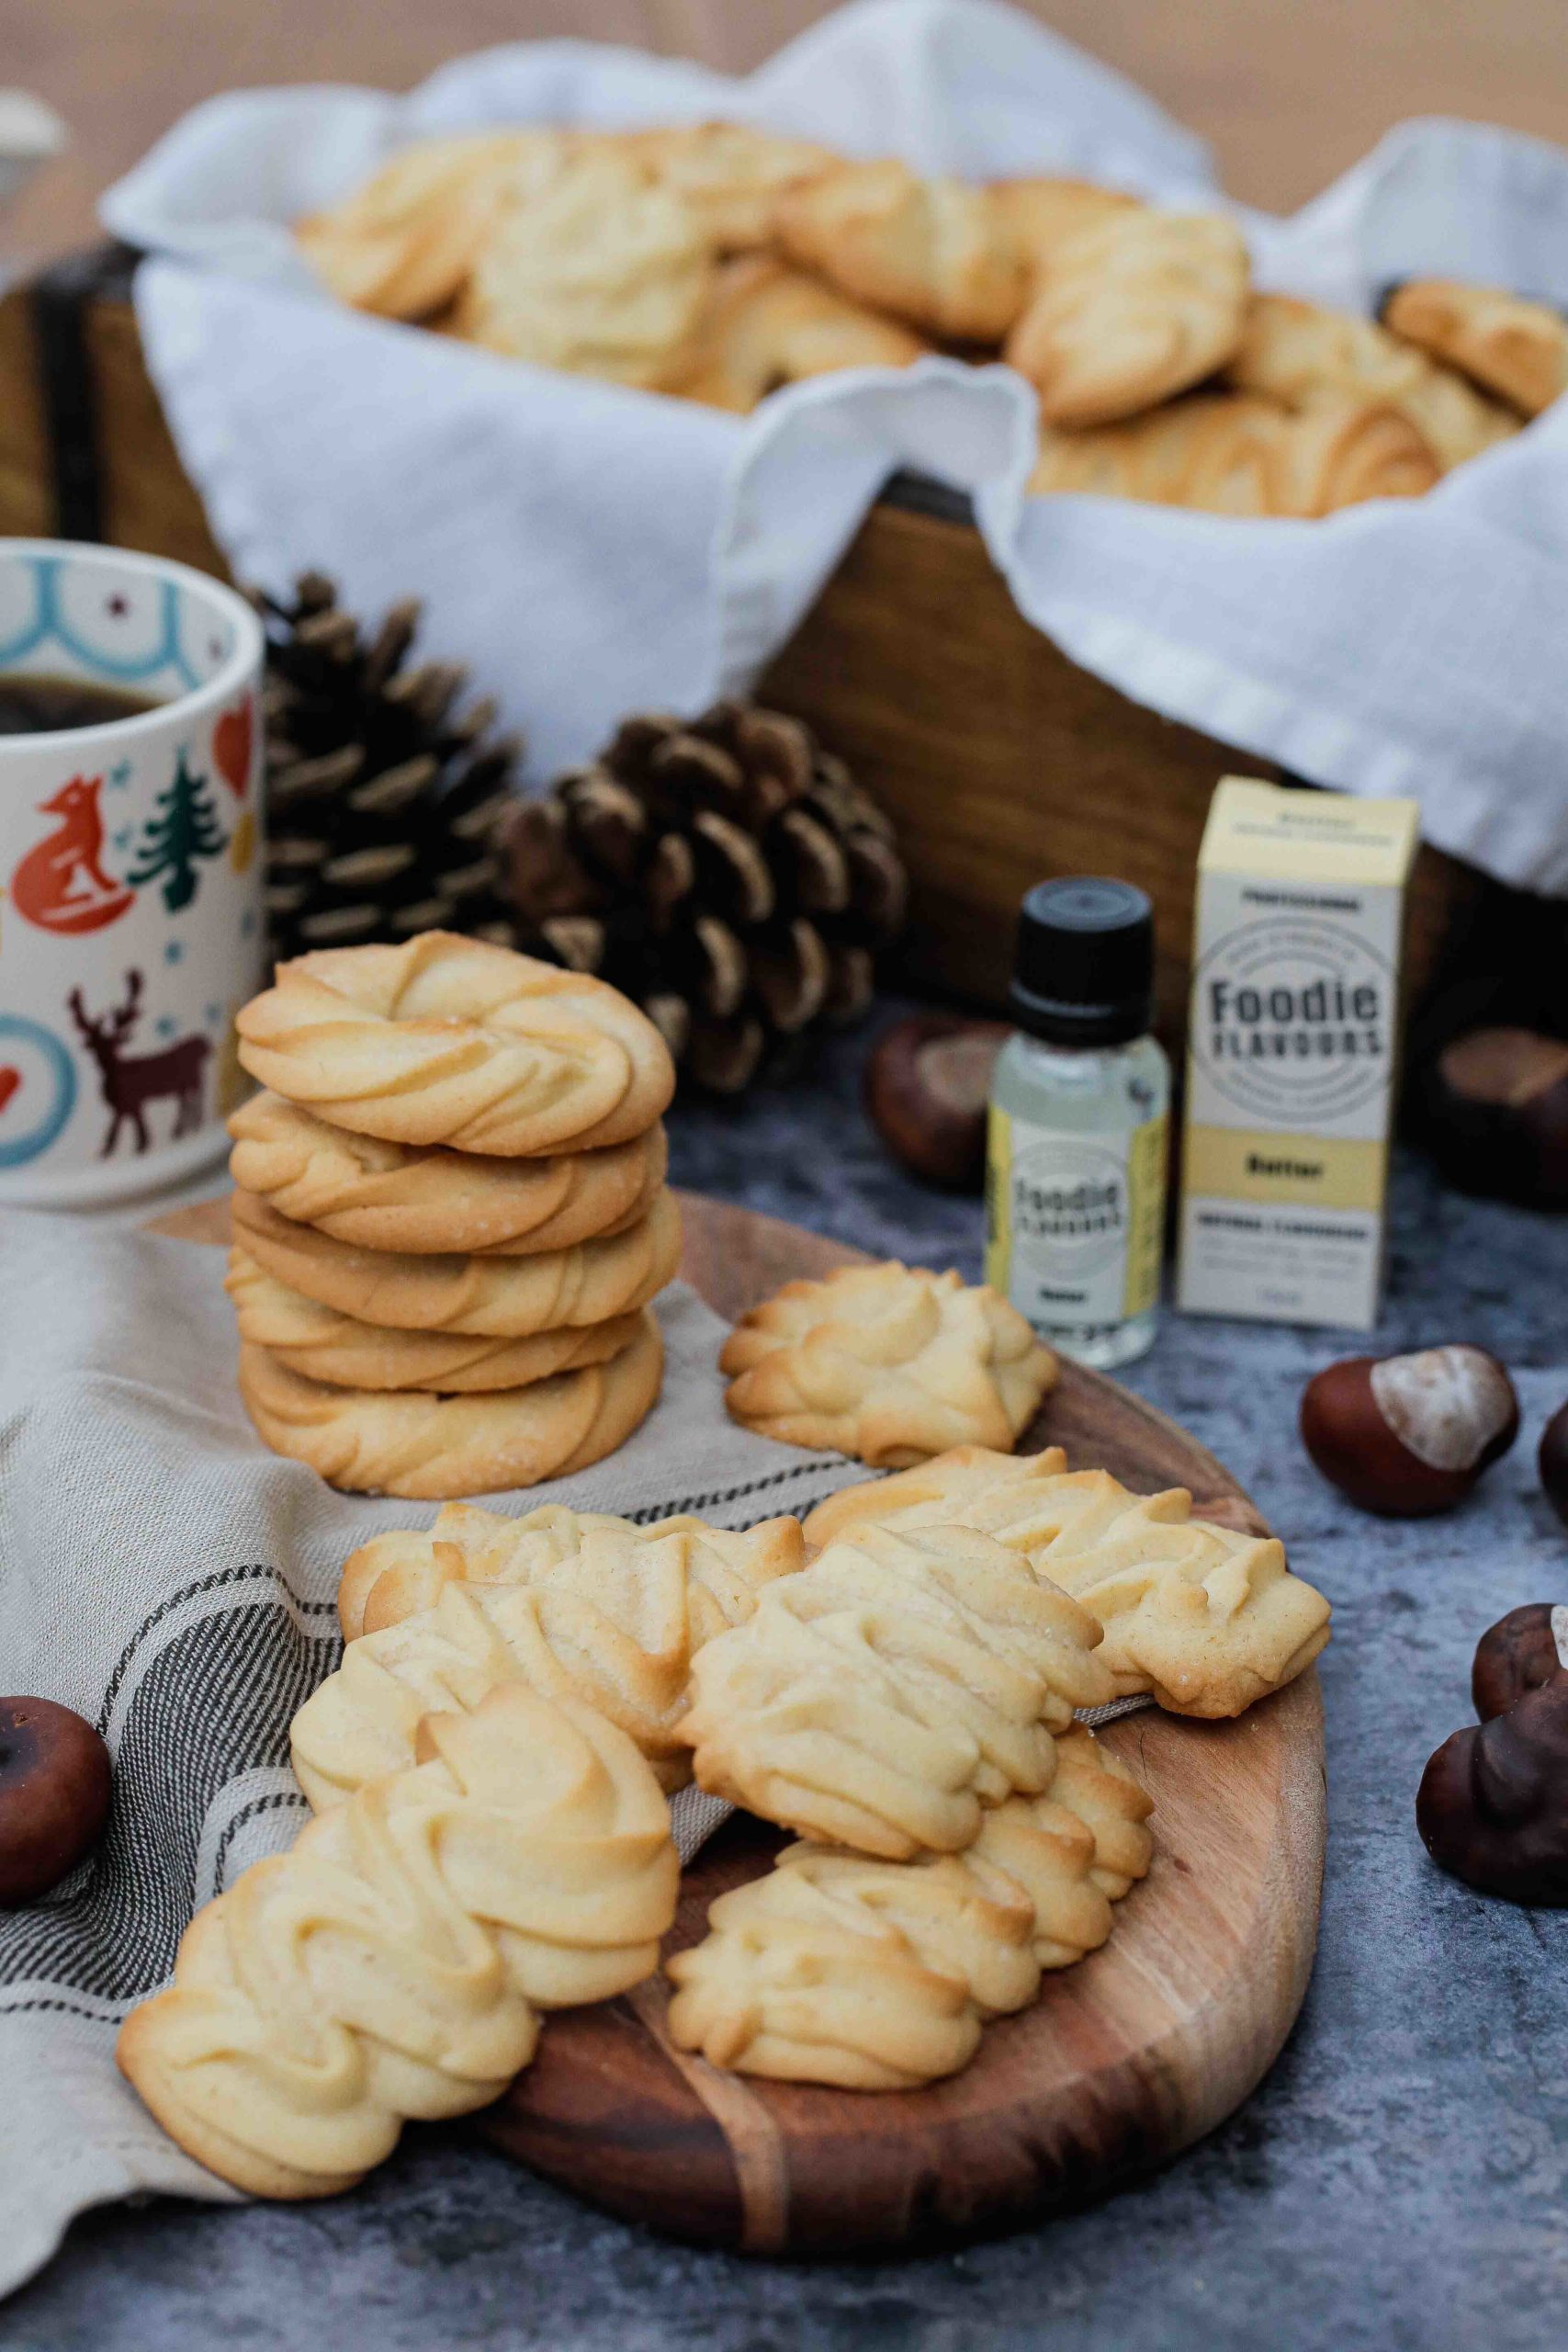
<point x="590" y="550"/>
<point x="175" y="1583"/>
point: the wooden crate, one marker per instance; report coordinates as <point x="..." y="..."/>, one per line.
<point x="1000" y="760"/>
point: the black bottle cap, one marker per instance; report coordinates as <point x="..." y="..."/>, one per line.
<point x="1084" y="970"/>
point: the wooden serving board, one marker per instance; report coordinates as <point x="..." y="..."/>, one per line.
<point x="1123" y="2061"/>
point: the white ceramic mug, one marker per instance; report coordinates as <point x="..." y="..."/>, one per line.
<point x="131" y="872"/>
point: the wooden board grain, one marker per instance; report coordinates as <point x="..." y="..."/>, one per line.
<point x="1123" y="2061"/>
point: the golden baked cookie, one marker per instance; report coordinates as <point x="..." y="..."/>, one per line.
<point x="403" y="242"/>
<point x="672" y="1571"/>
<point x="1133" y="309"/>
<point x="880" y="1697"/>
<point x="731" y="175"/>
<point x="379" y="1195"/>
<point x="617" y="1623"/>
<point x="933" y="251"/>
<point x="838" y="1969"/>
<point x="1300" y="354"/>
<point x="864" y="1974"/>
<point x="1093" y="1783"/>
<point x="1040" y="215"/>
<point x="1202" y="1618"/>
<point x="766" y="325"/>
<point x="324" y="1345"/>
<point x="497" y="1298"/>
<point x="601" y="269"/>
<point x="1234" y="452"/>
<point x="432" y="1448"/>
<point x="393" y="1963"/>
<point x="1340" y="452"/>
<point x="453" y="1041"/>
<point x="887" y="1363"/>
<point x="1515" y="349"/>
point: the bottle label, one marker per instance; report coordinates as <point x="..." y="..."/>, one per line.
<point x="1074" y="1224"/>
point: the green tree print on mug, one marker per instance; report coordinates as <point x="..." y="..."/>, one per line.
<point x="185" y="828"/>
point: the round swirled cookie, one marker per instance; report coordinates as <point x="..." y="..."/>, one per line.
<point x="432" y="1448"/>
<point x="379" y="1195"/>
<point x="454" y="1040"/>
<point x="500" y="1299"/>
<point x="326" y="1346"/>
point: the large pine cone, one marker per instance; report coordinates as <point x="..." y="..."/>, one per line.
<point x="384" y="797"/>
<point x="726" y="872"/>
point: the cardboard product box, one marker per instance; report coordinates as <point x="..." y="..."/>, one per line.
<point x="1292" y="1053"/>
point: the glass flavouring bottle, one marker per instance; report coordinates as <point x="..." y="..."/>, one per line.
<point x="1075" y="1143"/>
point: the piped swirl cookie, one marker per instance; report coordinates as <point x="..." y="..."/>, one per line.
<point x="879" y="1975"/>
<point x="731" y="174"/>
<point x="1514" y="349"/>
<point x="378" y="1195"/>
<point x="614" y="1618"/>
<point x="881" y="1697"/>
<point x="718" y="1571"/>
<point x="598" y="267"/>
<point x="887" y="1363"/>
<point x="488" y="1297"/>
<point x="453" y="1041"/>
<point x="394" y="1964"/>
<point x="872" y="1976"/>
<point x="933" y="252"/>
<point x="766" y="325"/>
<point x="324" y="1345"/>
<point x="430" y="1448"/>
<point x="1204" y="1618"/>
<point x="1237" y="453"/>
<point x="404" y="243"/>
<point x="1302" y="355"/>
<point x="1135" y="306"/>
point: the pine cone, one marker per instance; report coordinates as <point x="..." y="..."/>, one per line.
<point x="726" y="872"/>
<point x="383" y="798"/>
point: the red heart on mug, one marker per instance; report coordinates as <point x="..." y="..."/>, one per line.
<point x="232" y="747"/>
<point x="9" y="1080"/>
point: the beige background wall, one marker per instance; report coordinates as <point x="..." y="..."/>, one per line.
<point x="1288" y="91"/>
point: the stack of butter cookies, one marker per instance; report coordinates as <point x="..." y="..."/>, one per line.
<point x="719" y="262"/>
<point x="451" y="1216"/>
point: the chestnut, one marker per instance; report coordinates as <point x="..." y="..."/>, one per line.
<point x="927" y="1080"/>
<point x="1498" y="1109"/>
<point x="1493" y="1804"/>
<point x="1406" y="1436"/>
<point x="54" y="1796"/>
<point x="1517" y="1654"/>
<point x="1553" y="1461"/>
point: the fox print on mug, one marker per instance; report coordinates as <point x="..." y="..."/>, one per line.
<point x="130" y="917"/>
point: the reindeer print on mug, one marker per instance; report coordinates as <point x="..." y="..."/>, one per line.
<point x="130" y="1082"/>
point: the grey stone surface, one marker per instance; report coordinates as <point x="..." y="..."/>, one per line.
<point x="1400" y="2181"/>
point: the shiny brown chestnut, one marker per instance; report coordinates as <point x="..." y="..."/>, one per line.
<point x="1493" y="1804"/>
<point x="1517" y="1654"/>
<point x="1409" y="1435"/>
<point x="1497" y="1104"/>
<point x="927" y="1080"/>
<point x="1552" y="1460"/>
<point x="54" y="1796"/>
